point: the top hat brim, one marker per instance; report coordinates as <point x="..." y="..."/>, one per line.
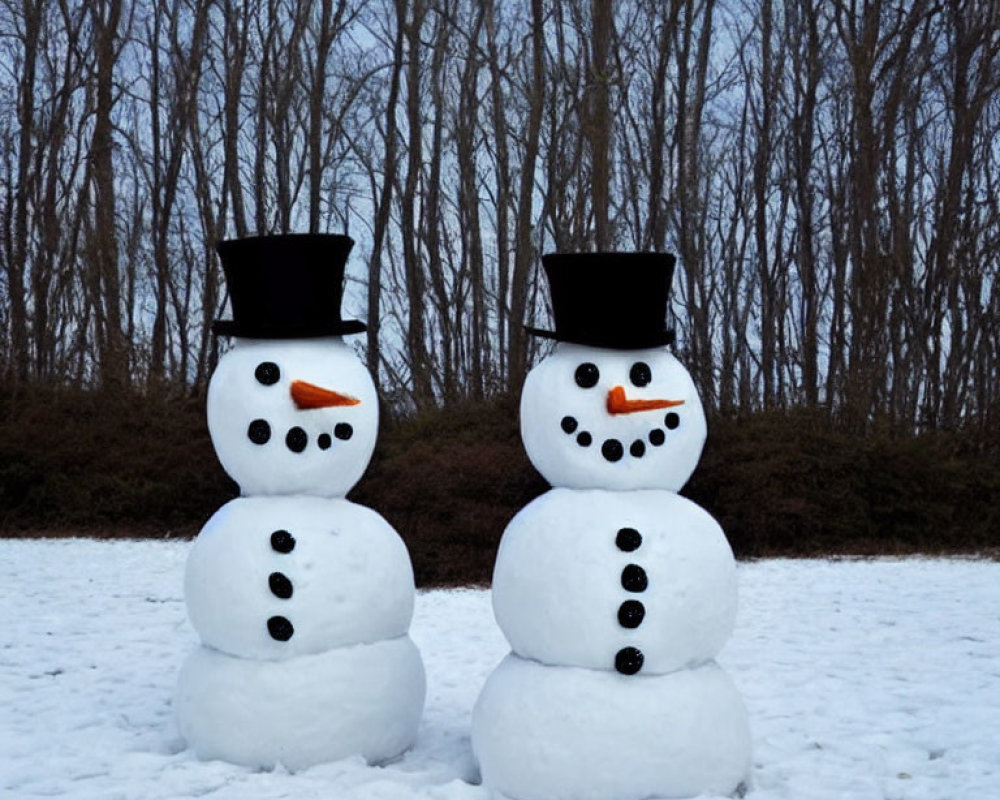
<point x="229" y="327"/>
<point x="608" y="339"/>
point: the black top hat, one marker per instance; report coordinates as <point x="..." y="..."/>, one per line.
<point x="615" y="300"/>
<point x="286" y="287"/>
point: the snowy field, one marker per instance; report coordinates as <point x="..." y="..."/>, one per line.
<point x="864" y="679"/>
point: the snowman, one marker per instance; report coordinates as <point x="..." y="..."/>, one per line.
<point x="615" y="592"/>
<point x="302" y="599"/>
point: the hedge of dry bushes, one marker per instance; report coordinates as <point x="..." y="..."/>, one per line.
<point x="781" y="484"/>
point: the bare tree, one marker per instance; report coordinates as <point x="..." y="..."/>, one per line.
<point x="172" y="109"/>
<point x="419" y="359"/>
<point x="22" y="187"/>
<point x="524" y="252"/>
<point x="599" y="117"/>
<point x="102" y="246"/>
<point x="383" y="195"/>
<point x="827" y="173"/>
<point x="466" y="130"/>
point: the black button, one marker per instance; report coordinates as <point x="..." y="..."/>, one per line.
<point x="343" y="431"/>
<point x="640" y="374"/>
<point x="296" y="439"/>
<point x="280" y="585"/>
<point x="612" y="449"/>
<point x="568" y="424"/>
<point x="638" y="449"/>
<point x="671" y="420"/>
<point x="634" y="578"/>
<point x="584" y="439"/>
<point x="280" y="628"/>
<point x="628" y="660"/>
<point x="267" y="373"/>
<point x="587" y="375"/>
<point x="282" y="541"/>
<point x="628" y="539"/>
<point x="657" y="437"/>
<point x="631" y="613"/>
<point x="259" y="431"/>
<point x="324" y="441"/>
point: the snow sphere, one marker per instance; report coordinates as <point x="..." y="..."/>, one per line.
<point x="276" y="577"/>
<point x="585" y="577"/>
<point x="302" y="711"/>
<point x="612" y="419"/>
<point x="293" y="416"/>
<point x="564" y="733"/>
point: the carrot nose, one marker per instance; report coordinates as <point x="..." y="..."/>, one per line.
<point x="618" y="403"/>
<point x="309" y="395"/>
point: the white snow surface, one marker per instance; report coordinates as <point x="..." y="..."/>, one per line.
<point x="863" y="679"/>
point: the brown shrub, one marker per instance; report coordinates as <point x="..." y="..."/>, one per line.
<point x="449" y="481"/>
<point x="75" y="459"/>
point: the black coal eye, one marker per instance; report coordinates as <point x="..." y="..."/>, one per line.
<point x="267" y="372"/>
<point x="640" y="374"/>
<point x="587" y="375"/>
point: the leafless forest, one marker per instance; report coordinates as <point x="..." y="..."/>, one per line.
<point x="827" y="171"/>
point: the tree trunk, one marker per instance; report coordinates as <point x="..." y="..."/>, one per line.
<point x="524" y="250"/>
<point x="384" y="208"/>
<point x="113" y="366"/>
<point x="20" y="356"/>
<point x="599" y="127"/>
<point x="423" y="391"/>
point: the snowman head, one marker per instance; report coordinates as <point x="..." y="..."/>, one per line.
<point x="611" y="407"/>
<point x="291" y="410"/>
<point x="293" y="417"/>
<point x="612" y="419"/>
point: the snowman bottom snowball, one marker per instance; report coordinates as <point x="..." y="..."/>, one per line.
<point x="302" y="711"/>
<point x="565" y="733"/>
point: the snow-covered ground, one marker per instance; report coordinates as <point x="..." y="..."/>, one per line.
<point x="864" y="679"/>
